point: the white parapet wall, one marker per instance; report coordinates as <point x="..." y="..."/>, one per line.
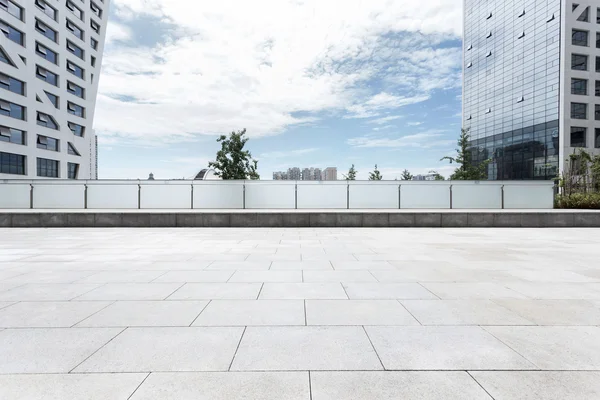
<point x="150" y="195"/>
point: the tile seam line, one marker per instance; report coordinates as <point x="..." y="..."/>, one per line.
<point x="174" y="291"/>
<point x="97" y="350"/>
<point x="408" y="311"/>
<point x="373" y="346"/>
<point x="138" y="386"/>
<point x="510" y="347"/>
<point x="480" y="385"/>
<point x="91" y="315"/>
<point x="201" y="311"/>
<point x="237" y="349"/>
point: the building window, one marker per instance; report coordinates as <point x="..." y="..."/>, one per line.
<point x="95" y="9"/>
<point x="12" y="135"/>
<point x="75" y="90"/>
<point x="469" y="65"/>
<point x="579" y="62"/>
<point x="578" y="136"/>
<point x="489" y="54"/>
<point x="75" y="109"/>
<point x="597" y="138"/>
<point x="12" y="110"/>
<point x="47" y="168"/>
<point x="46" y="120"/>
<point x="11" y="33"/>
<point x="46" y="53"/>
<point x="76" y="11"/>
<point x="73" y="170"/>
<point x="77" y="130"/>
<point x="11" y="84"/>
<point x="74" y="49"/>
<point x="93" y="61"/>
<point x="551" y="18"/>
<point x="597" y="88"/>
<point x="13" y="9"/>
<point x="521" y="14"/>
<point x="75" y="30"/>
<point x="578" y="110"/>
<point x="47" y="76"/>
<point x="489" y="35"/>
<point x="579" y="86"/>
<point x="46" y="30"/>
<point x="75" y="69"/>
<point x="585" y="15"/>
<point x="521" y="35"/>
<point x="597" y="112"/>
<point x="598" y="15"/>
<point x="53" y="99"/>
<point x="95" y="26"/>
<point x="580" y="38"/>
<point x="46" y="9"/>
<point x="47" y="143"/>
<point x="94" y="43"/>
<point x="72" y="150"/>
<point x="12" y="164"/>
<point x="4" y="58"/>
<point x="597" y="64"/>
<point x="598" y="40"/>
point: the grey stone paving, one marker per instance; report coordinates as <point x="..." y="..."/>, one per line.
<point x="321" y="314"/>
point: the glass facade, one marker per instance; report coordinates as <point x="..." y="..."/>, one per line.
<point x="511" y="86"/>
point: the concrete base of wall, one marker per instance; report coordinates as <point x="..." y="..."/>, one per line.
<point x="300" y="218"/>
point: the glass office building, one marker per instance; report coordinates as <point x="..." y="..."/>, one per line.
<point x="531" y="91"/>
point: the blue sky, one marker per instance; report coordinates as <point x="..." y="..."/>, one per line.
<point x="316" y="83"/>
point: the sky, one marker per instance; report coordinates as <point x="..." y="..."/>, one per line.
<point x="316" y="83"/>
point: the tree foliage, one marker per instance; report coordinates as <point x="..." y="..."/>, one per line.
<point x="375" y="175"/>
<point x="406" y="176"/>
<point x="232" y="161"/>
<point x="351" y="176"/>
<point x="467" y="169"/>
<point x="437" y="176"/>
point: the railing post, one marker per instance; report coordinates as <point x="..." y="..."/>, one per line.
<point x="348" y="196"/>
<point x="85" y="201"/>
<point x="31" y="195"/>
<point x="244" y="195"/>
<point x="139" y="196"/>
<point x="192" y="197"/>
<point x="399" y="197"/>
<point x="296" y="195"/>
<point x="502" y="190"/>
<point x="450" y="196"/>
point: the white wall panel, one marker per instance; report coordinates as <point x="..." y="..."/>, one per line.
<point x="15" y="195"/>
<point x="522" y="196"/>
<point x="119" y="196"/>
<point x="270" y="195"/>
<point x="58" y="196"/>
<point x="322" y="196"/>
<point x="425" y="196"/>
<point x="165" y="196"/>
<point x="374" y="195"/>
<point x="477" y="195"/>
<point x="219" y="195"/>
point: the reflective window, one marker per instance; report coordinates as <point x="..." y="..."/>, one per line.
<point x="580" y="38"/>
<point x="597" y="88"/>
<point x="93" y="61"/>
<point x="47" y="76"/>
<point x="597" y="139"/>
<point x="47" y="143"/>
<point x="95" y="26"/>
<point x="75" y="69"/>
<point x="11" y="84"/>
<point x="71" y="149"/>
<point x="46" y="120"/>
<point x="579" y="110"/>
<point x="12" y="8"/>
<point x="46" y="8"/>
<point x="11" y="135"/>
<point x="77" y="130"/>
<point x="53" y="99"/>
<point x="12" y="163"/>
<point x="12" y="110"/>
<point x="94" y="43"/>
<point x="579" y="86"/>
<point x="578" y="136"/>
<point x="75" y="90"/>
<point x="4" y="58"/>
<point x="74" y="49"/>
<point x="597" y="112"/>
<point x="579" y="62"/>
<point x="46" y="30"/>
<point x="46" y="53"/>
<point x="47" y="168"/>
<point x="75" y="109"/>
<point x="11" y="32"/>
<point x="598" y="40"/>
<point x="585" y="15"/>
<point x="73" y="170"/>
<point x="75" y="30"/>
<point x="76" y="11"/>
<point x="95" y="9"/>
<point x="597" y="64"/>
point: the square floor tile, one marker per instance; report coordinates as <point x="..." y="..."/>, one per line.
<point x="305" y="348"/>
<point x="481" y="290"/>
<point x="364" y="265"/>
<point x="554" y="347"/>
<point x="69" y="386"/>
<point x="47" y="314"/>
<point x="131" y="291"/>
<point x="267" y="276"/>
<point x="121" y="277"/>
<point x="240" y="265"/>
<point x="301" y="265"/>
<point x="557" y="291"/>
<point x="387" y="291"/>
<point x="49" y="350"/>
<point x="50" y="277"/>
<point x="252" y="312"/>
<point x="534" y="385"/>
<point x="225" y="386"/>
<point x="166" y="349"/>
<point x="442" y="348"/>
<point x="357" y="312"/>
<point x="210" y="291"/>
<point x="195" y="276"/>
<point x="555" y="312"/>
<point x="338" y="276"/>
<point x="303" y="291"/>
<point x="47" y="291"/>
<point x="388" y="385"/>
<point x="462" y="312"/>
<point x="146" y="313"/>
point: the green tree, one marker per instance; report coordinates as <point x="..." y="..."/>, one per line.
<point x="351" y="174"/>
<point x="467" y="169"/>
<point x="232" y="161"/>
<point x="437" y="176"/>
<point x="406" y="176"/>
<point x="375" y="175"/>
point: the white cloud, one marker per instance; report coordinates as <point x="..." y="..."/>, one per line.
<point x="286" y="154"/>
<point x="385" y="120"/>
<point x="415" y="123"/>
<point x="234" y="65"/>
<point x="427" y="139"/>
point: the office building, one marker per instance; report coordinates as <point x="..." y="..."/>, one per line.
<point x="50" y="57"/>
<point x="306" y="174"/>
<point x="531" y="91"/>
<point x="330" y="174"/>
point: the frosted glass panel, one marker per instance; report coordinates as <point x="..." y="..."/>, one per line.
<point x="14" y="196"/>
<point x="476" y="195"/>
<point x="520" y="196"/>
<point x="322" y="196"/>
<point x="219" y="195"/>
<point x="58" y="196"/>
<point x="425" y="196"/>
<point x="270" y="196"/>
<point x="166" y="196"/>
<point x="113" y="196"/>
<point x="374" y="195"/>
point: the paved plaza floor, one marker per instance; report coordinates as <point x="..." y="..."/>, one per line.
<point x="300" y="314"/>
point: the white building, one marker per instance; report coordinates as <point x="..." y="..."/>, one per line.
<point x="50" y="58"/>
<point x="531" y="92"/>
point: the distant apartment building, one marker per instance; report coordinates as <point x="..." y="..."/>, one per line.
<point x="330" y="174"/>
<point x="427" y="177"/>
<point x="317" y="175"/>
<point x="306" y="174"/>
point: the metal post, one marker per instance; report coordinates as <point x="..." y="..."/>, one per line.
<point x="450" y="196"/>
<point x="296" y="196"/>
<point x="31" y="196"/>
<point x="139" y="196"/>
<point x="399" y="197"/>
<point x="85" y="190"/>
<point x="502" y="189"/>
<point x="244" y="195"/>
<point x="192" y="197"/>
<point x="348" y="196"/>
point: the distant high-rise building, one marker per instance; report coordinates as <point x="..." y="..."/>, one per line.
<point x="50" y="57"/>
<point x="280" y="176"/>
<point x="317" y="175"/>
<point x="294" y="174"/>
<point x="308" y="174"/>
<point x="330" y="174"/>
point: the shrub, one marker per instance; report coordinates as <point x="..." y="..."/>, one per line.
<point x="578" y="200"/>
